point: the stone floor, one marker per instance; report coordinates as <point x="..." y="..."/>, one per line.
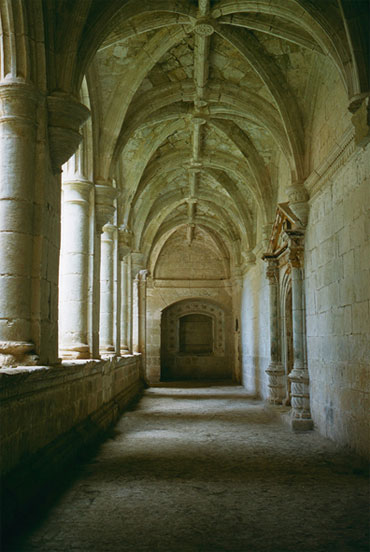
<point x="194" y="468"/>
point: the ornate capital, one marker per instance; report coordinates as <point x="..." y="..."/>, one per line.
<point x="295" y="240"/>
<point x="272" y="269"/>
<point x="66" y="116"/>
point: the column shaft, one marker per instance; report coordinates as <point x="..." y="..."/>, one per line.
<point x="135" y="315"/>
<point x="18" y="103"/>
<point x="107" y="291"/>
<point x="124" y="346"/>
<point x="301" y="414"/>
<point x="275" y="369"/>
<point x="74" y="281"/>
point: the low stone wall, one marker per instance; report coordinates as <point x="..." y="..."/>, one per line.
<point x="50" y="414"/>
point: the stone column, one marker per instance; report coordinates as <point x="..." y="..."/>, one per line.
<point x="74" y="283"/>
<point x="18" y="108"/>
<point x="104" y="211"/>
<point x="135" y="314"/>
<point x="124" y="341"/>
<point x="124" y="244"/>
<point x="107" y="291"/>
<point x="301" y="414"/>
<point x="142" y="311"/>
<point x="275" y="369"/>
<point x="137" y="265"/>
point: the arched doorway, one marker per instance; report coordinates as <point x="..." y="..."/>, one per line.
<point x="193" y="344"/>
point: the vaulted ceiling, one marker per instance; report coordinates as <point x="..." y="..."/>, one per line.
<point x="200" y="106"/>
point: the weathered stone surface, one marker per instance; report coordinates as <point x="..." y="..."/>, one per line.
<point x="197" y="468"/>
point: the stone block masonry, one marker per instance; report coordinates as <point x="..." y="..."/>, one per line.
<point x="48" y="417"/>
<point x="338" y="299"/>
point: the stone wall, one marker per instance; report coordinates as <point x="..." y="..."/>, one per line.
<point x="50" y="414"/>
<point x="337" y="262"/>
<point x="162" y="293"/>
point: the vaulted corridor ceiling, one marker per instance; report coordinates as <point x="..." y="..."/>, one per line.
<point x="197" y="108"/>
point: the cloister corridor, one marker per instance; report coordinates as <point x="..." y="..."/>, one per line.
<point x="193" y="467"/>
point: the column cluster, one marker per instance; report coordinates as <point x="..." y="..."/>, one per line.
<point x="103" y="313"/>
<point x="285" y="252"/>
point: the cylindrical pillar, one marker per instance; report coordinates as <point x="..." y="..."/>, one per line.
<point x="18" y="108"/>
<point x="301" y="414"/>
<point x="74" y="277"/>
<point x="135" y="315"/>
<point x="142" y="311"/>
<point x="275" y="369"/>
<point x="107" y="291"/>
<point x="124" y="344"/>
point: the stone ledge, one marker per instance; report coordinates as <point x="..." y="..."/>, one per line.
<point x="37" y="474"/>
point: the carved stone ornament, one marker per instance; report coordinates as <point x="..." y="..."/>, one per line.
<point x="295" y="241"/>
<point x="204" y="28"/>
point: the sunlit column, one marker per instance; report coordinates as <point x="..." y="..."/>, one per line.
<point x="74" y="269"/>
<point x="104" y="210"/>
<point x="107" y="290"/>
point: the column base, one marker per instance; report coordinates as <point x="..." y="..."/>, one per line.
<point x="76" y="351"/>
<point x="17" y="353"/>
<point x="275" y="372"/>
<point x="107" y="351"/>
<point x="124" y="351"/>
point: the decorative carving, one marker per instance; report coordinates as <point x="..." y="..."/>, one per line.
<point x="204" y="28"/>
<point x="272" y="269"/>
<point x="295" y="240"/>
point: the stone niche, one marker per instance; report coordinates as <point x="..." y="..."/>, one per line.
<point x="193" y="345"/>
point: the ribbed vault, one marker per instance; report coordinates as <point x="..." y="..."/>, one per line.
<point x="197" y="103"/>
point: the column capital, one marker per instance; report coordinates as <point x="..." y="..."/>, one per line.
<point x="66" y="116"/>
<point x="248" y="260"/>
<point x="105" y="195"/>
<point x="298" y="201"/>
<point x="77" y="191"/>
<point x="272" y="269"/>
<point x="137" y="263"/>
<point x="295" y="240"/>
<point x="18" y="102"/>
<point x="124" y="241"/>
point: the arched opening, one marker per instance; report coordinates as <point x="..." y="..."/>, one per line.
<point x="195" y="341"/>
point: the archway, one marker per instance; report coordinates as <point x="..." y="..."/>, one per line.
<point x="194" y="342"/>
